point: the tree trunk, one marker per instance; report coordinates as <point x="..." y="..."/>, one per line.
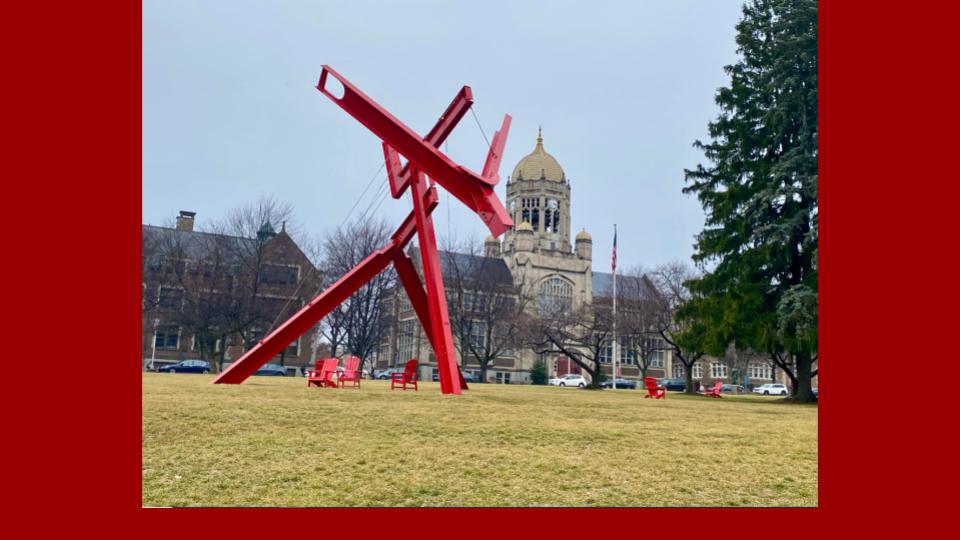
<point x="688" y="374"/>
<point x="802" y="391"/>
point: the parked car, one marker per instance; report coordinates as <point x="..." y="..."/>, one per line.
<point x="771" y="389"/>
<point x="731" y="389"/>
<point x="621" y="383"/>
<point x="568" y="380"/>
<point x="674" y="385"/>
<point x="467" y="376"/>
<point x="384" y="374"/>
<point x="187" y="366"/>
<point x="271" y="369"/>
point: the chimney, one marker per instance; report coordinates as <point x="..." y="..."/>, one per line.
<point x="185" y="220"/>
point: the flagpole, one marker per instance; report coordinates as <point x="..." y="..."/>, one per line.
<point x="613" y="363"/>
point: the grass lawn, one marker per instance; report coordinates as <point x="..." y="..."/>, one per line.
<point x="272" y="441"/>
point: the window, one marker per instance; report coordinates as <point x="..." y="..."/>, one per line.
<point x="655" y="359"/>
<point x="406" y="346"/>
<point x="475" y="333"/>
<point x="406" y="306"/>
<point x="625" y="351"/>
<point x="678" y="370"/>
<point x="292" y="350"/>
<point x="503" y="377"/>
<point x="697" y="371"/>
<point x="760" y="371"/>
<point x="170" y="298"/>
<point x="167" y="338"/>
<point x="276" y="274"/>
<point x="718" y="370"/>
<point x="195" y="344"/>
<point x="606" y="352"/>
<point x="556" y="295"/>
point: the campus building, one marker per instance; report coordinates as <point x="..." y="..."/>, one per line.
<point x="198" y="284"/>
<point x="535" y="255"/>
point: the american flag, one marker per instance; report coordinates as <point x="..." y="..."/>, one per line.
<point x="614" y="263"/>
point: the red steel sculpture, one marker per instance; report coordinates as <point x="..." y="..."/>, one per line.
<point x="424" y="160"/>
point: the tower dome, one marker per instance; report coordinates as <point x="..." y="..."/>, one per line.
<point x="538" y="164"/>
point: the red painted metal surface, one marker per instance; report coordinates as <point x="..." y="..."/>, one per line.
<point x="436" y="293"/>
<point x="424" y="159"/>
<point x="653" y="390"/>
<point x="469" y="187"/>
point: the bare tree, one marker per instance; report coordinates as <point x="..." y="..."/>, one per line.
<point x="223" y="283"/>
<point x="357" y="324"/>
<point x="581" y="334"/>
<point x="486" y="307"/>
<point x="683" y="338"/>
<point x="638" y="308"/>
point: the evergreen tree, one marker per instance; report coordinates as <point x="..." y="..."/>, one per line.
<point x="538" y="375"/>
<point x="758" y="248"/>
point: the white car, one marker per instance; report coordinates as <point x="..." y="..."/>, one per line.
<point x="569" y="380"/>
<point x="774" y="389"/>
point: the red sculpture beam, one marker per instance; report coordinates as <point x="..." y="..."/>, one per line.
<point x="424" y="159"/>
<point x="473" y="190"/>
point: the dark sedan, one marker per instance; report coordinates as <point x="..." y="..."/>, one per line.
<point x="674" y="385"/>
<point x="187" y="366"/>
<point x="467" y="376"/>
<point x="731" y="389"/>
<point x="621" y="383"/>
<point x="271" y="369"/>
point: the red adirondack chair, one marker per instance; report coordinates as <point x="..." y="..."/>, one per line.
<point x="713" y="392"/>
<point x="322" y="376"/>
<point x="351" y="372"/>
<point x="654" y="391"/>
<point x="409" y="376"/>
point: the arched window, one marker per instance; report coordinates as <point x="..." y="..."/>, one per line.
<point x="526" y="215"/>
<point x="556" y="221"/>
<point x="535" y="222"/>
<point x="547" y="222"/>
<point x="556" y="295"/>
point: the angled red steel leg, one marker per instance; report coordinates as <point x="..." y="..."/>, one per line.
<point x="436" y="293"/>
<point x="418" y="299"/>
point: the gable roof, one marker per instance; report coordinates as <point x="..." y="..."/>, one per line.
<point x="490" y="270"/>
<point x="198" y="244"/>
<point x="603" y="284"/>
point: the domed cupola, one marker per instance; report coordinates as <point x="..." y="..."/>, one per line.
<point x="538" y="165"/>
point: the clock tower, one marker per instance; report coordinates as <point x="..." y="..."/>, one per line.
<point x="538" y="193"/>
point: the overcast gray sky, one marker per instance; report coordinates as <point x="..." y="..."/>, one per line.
<point x="622" y="89"/>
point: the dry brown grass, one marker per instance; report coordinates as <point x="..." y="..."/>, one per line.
<point x="274" y="442"/>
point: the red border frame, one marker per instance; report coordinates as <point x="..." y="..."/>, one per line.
<point x="75" y="116"/>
